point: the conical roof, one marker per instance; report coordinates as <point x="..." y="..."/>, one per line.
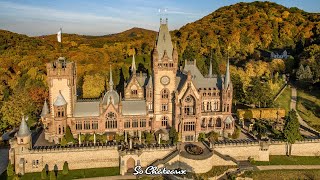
<point x="45" y="109"/>
<point x="133" y="65"/>
<point x="150" y="81"/>
<point x="227" y="77"/>
<point x="164" y="43"/>
<point x="60" y="101"/>
<point x="23" y="129"/>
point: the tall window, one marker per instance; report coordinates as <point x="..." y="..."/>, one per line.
<point x="94" y="124"/>
<point x="188" y="126"/>
<point x="165" y="94"/>
<point x="135" y="123"/>
<point x="150" y="93"/>
<point x="86" y="124"/>
<point x="218" y="122"/>
<point x="189" y="107"/>
<point x="210" y="122"/>
<point x="111" y="121"/>
<point x="127" y="124"/>
<point x="143" y="123"/>
<point x="203" y="124"/>
<point x="164" y="121"/>
<point x="60" y="112"/>
<point x="150" y="106"/>
<point x="164" y="107"/>
<point x="78" y="125"/>
<point x="59" y="129"/>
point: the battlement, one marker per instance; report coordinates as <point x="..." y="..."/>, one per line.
<point x="143" y="148"/>
<point x="61" y="67"/>
<point x="75" y="147"/>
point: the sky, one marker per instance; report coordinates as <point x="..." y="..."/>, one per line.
<point x="101" y="17"/>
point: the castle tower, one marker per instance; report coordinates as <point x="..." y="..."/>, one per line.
<point x="24" y="136"/>
<point x="133" y="90"/>
<point x="62" y="80"/>
<point x="165" y="64"/>
<point x="227" y="91"/>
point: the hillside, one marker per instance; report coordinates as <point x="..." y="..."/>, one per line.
<point x="247" y="28"/>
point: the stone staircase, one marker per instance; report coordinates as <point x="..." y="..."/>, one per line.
<point x="165" y="159"/>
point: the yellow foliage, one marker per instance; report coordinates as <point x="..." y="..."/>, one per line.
<point x="261" y="113"/>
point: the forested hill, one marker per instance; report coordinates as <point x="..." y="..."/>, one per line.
<point x="247" y="28"/>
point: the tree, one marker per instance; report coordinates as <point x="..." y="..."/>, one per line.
<point x="44" y="173"/>
<point x="173" y="134"/>
<point x="10" y="169"/>
<point x="212" y="136"/>
<point x="149" y="137"/>
<point x="291" y="129"/>
<point x="52" y="175"/>
<point x="65" y="170"/>
<point x="69" y="137"/>
<point x="201" y="136"/>
<point x="63" y="141"/>
<point x="93" y="85"/>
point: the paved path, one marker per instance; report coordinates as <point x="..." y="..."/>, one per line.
<point x="4" y="158"/>
<point x="293" y="105"/>
<point x="274" y="167"/>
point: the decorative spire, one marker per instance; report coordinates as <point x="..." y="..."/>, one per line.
<point x="150" y="81"/>
<point x="227" y="76"/>
<point x="23" y="129"/>
<point x="45" y="109"/>
<point x="133" y="66"/>
<point x="111" y="81"/>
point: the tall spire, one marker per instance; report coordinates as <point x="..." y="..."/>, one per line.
<point x="133" y="66"/>
<point x="210" y="67"/>
<point x="45" y="109"/>
<point x="23" y="129"/>
<point x="227" y="76"/>
<point x="111" y="81"/>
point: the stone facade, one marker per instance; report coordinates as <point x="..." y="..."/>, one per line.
<point x="184" y="99"/>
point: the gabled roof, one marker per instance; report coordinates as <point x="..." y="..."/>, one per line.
<point x="86" y="109"/>
<point x="134" y="107"/>
<point x="60" y="101"/>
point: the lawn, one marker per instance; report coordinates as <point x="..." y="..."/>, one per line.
<point x="292" y="160"/>
<point x="74" y="174"/>
<point x="283" y="174"/>
<point x="284" y="99"/>
<point x="308" y="106"/>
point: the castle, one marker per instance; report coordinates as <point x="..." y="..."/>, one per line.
<point x="184" y="99"/>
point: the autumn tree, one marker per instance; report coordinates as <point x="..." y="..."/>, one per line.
<point x="291" y="129"/>
<point x="93" y="85"/>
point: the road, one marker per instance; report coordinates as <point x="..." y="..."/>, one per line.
<point x="293" y="105"/>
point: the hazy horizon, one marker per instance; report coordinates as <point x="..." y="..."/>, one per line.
<point x="36" y="18"/>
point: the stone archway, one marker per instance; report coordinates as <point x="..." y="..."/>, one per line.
<point x="130" y="164"/>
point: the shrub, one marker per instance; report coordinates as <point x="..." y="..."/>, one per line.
<point x="52" y="175"/>
<point x="63" y="141"/>
<point x="65" y="170"/>
<point x="201" y="137"/>
<point x="44" y="173"/>
<point x="10" y="169"/>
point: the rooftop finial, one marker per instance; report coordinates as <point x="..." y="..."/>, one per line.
<point x="111" y="81"/>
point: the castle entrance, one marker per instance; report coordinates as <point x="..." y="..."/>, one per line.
<point x="130" y="164"/>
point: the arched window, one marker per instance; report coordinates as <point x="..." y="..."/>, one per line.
<point x="134" y="91"/>
<point x="164" y="121"/>
<point x="203" y="123"/>
<point x="210" y="122"/>
<point x="165" y="94"/>
<point x="218" y="122"/>
<point x="59" y="129"/>
<point x="111" y="121"/>
<point x="189" y="105"/>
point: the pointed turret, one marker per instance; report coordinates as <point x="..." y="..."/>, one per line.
<point x="23" y="129"/>
<point x="110" y="80"/>
<point x="164" y="42"/>
<point x="149" y="82"/>
<point x="60" y="101"/>
<point x="227" y="81"/>
<point x="45" y="109"/>
<point x="133" y="66"/>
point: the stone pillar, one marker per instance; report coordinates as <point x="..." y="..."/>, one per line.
<point x="139" y="133"/>
<point x="94" y="138"/>
<point x="130" y="143"/>
<point x="125" y="137"/>
<point x="80" y="139"/>
<point x="159" y="138"/>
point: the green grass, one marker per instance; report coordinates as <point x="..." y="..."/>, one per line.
<point x="292" y="160"/>
<point x="73" y="174"/>
<point x="308" y="107"/>
<point x="284" y="174"/>
<point x="284" y="99"/>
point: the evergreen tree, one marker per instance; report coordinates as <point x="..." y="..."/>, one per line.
<point x="291" y="129"/>
<point x="68" y="136"/>
<point x="149" y="137"/>
<point x="63" y="141"/>
<point x="173" y="134"/>
<point x="65" y="170"/>
<point x="10" y="169"/>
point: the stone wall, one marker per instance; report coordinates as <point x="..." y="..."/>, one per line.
<point x="77" y="158"/>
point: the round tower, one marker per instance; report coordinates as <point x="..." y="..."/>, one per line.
<point x="24" y="135"/>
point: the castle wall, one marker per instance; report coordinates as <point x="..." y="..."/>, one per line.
<point x="240" y="152"/>
<point x="77" y="158"/>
